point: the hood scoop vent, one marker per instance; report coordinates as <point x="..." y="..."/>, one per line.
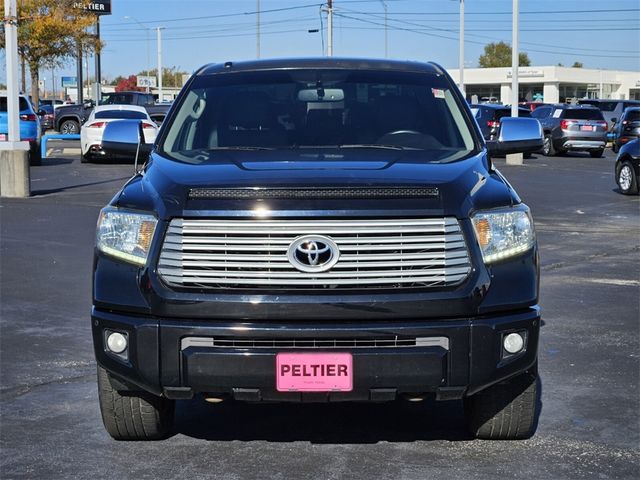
<point x="259" y="193"/>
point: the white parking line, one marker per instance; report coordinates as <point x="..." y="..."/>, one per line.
<point x="614" y="281"/>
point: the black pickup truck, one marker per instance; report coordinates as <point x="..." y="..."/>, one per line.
<point x="318" y="230"/>
<point x="69" y="118"/>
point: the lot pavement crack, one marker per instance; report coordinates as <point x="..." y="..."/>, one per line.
<point x="20" y="390"/>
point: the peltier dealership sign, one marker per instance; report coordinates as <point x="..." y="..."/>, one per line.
<point x="99" y="7"/>
<point x="528" y="72"/>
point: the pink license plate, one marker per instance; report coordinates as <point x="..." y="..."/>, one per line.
<point x="587" y="128"/>
<point x="314" y="372"/>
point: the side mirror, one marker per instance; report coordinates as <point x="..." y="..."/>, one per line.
<point x="88" y="104"/>
<point x="42" y="113"/>
<point x="614" y="120"/>
<point x="125" y="138"/>
<point x="517" y="135"/>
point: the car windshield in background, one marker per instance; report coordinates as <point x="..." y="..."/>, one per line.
<point x="603" y="106"/>
<point x="583" y="114"/>
<point x="121" y="114"/>
<point x="22" y="104"/>
<point x="306" y="109"/>
<point x="507" y="113"/>
<point x="633" y="116"/>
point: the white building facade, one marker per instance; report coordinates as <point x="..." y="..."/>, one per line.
<point x="549" y="84"/>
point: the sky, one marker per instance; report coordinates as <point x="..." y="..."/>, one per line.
<point x="599" y="34"/>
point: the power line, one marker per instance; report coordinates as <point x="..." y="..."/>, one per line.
<point x="225" y="15"/>
<point x="422" y="32"/>
<point x="378" y="16"/>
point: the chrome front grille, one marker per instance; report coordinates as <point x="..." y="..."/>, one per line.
<point x="389" y="253"/>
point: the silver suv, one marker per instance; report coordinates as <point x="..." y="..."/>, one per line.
<point x="572" y="128"/>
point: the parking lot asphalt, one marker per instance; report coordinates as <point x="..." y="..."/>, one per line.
<point x="50" y="426"/>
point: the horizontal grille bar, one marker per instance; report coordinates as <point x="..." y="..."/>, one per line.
<point x="389" y="253"/>
<point x="314" y="343"/>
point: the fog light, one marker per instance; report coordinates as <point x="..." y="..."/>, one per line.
<point x="513" y="343"/>
<point x="116" y="342"/>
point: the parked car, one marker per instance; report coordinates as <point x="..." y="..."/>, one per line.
<point x="488" y="116"/>
<point x="92" y="131"/>
<point x="46" y="117"/>
<point x="627" y="128"/>
<point x="52" y="102"/>
<point x="611" y="109"/>
<point x="317" y="230"/>
<point x="29" y="126"/>
<point x="627" y="168"/>
<point x="572" y="128"/>
<point x="69" y="118"/>
<point x="531" y="106"/>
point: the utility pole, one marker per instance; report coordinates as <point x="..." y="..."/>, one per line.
<point x="257" y="28"/>
<point x="330" y="28"/>
<point x="461" y="53"/>
<point x="98" y="73"/>
<point x="160" y="94"/>
<point x="515" y="58"/>
<point x="14" y="158"/>
<point x="386" y="38"/>
<point x="79" y="80"/>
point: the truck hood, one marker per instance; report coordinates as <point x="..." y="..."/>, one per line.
<point x="456" y="188"/>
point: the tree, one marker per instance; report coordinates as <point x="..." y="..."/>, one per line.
<point x="577" y="65"/>
<point x="499" y="55"/>
<point x="128" y="84"/>
<point x="49" y="32"/>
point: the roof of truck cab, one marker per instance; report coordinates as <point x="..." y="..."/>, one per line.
<point x="322" y="63"/>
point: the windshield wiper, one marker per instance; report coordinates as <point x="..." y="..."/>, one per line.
<point x="375" y="145"/>
<point x="238" y="147"/>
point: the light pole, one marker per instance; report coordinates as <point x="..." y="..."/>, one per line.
<point x="515" y="60"/>
<point x="159" y="33"/>
<point x="257" y="28"/>
<point x="128" y="17"/>
<point x="386" y="43"/>
<point x="461" y="53"/>
<point x="330" y="28"/>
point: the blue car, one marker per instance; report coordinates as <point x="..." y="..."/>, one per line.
<point x="29" y="126"/>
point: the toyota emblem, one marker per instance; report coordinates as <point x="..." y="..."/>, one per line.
<point x="313" y="253"/>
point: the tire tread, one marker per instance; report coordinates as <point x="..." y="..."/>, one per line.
<point x="505" y="411"/>
<point x="133" y="415"/>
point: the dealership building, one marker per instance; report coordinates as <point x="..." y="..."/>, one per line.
<point x="549" y="84"/>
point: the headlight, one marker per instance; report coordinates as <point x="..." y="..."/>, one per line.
<point x="504" y="233"/>
<point x="125" y="235"/>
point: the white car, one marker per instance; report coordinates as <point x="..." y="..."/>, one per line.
<point x="93" y="129"/>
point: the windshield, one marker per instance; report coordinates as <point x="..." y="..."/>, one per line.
<point x="582" y="114"/>
<point x="305" y="109"/>
<point x="127" y="114"/>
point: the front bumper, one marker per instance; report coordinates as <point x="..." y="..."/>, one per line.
<point x="451" y="358"/>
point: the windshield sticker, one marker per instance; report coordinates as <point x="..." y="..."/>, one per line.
<point x="557" y="113"/>
<point x="437" y="93"/>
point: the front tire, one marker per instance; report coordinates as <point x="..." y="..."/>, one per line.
<point x="506" y="411"/>
<point x="548" y="150"/>
<point x="596" y="153"/>
<point x="133" y="415"/>
<point x="627" y="179"/>
<point x="85" y="158"/>
<point x="69" y="127"/>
